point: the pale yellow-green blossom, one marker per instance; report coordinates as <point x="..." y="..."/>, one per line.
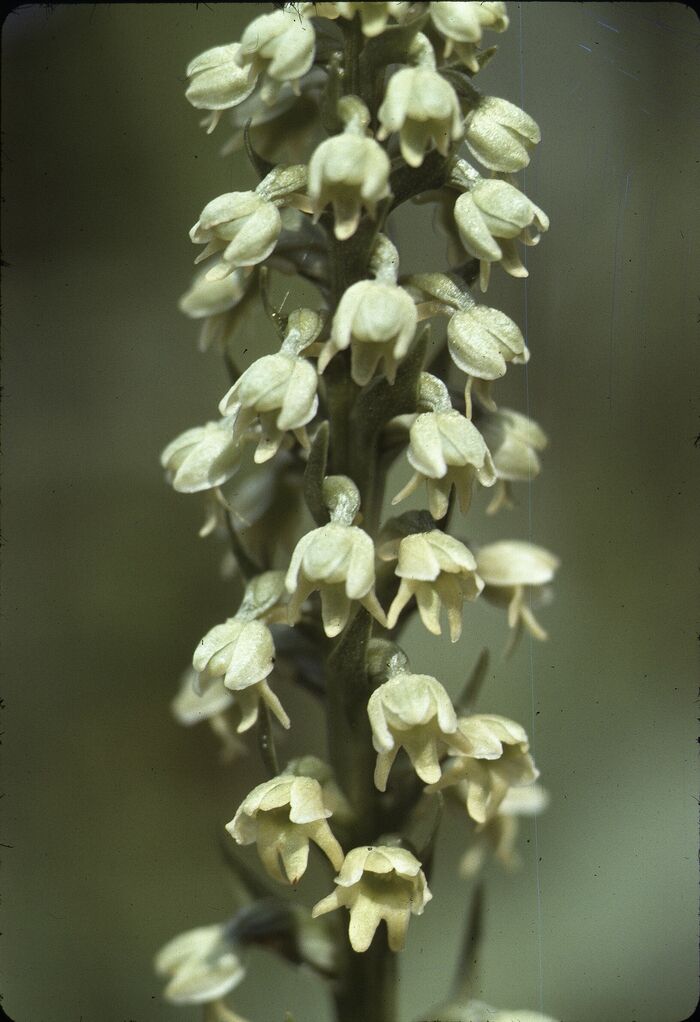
<point x="281" y="46"/>
<point x="414" y="712"/>
<point x="498" y="835"/>
<point x="203" y="457"/>
<point x="491" y="755"/>
<point x="349" y="171"/>
<point x="468" y="1010"/>
<point x="375" y="884"/>
<point x="513" y="571"/>
<point x="440" y="572"/>
<point x="446" y="450"/>
<point x="490" y="217"/>
<point x="281" y="816"/>
<point x="514" y="441"/>
<point x="200" y="966"/>
<point x="462" y="24"/>
<point x="423" y="108"/>
<point x="217" y="82"/>
<point x="377" y="321"/>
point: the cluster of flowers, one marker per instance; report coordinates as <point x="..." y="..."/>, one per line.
<point x="308" y="60"/>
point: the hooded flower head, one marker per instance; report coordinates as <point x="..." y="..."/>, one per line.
<point x="278" y="391"/>
<point x="281" y="816"/>
<point x="200" y="965"/>
<point x="338" y="560"/>
<point x="190" y="707"/>
<point x="281" y="45"/>
<point x="497" y="836"/>
<point x="373" y="16"/>
<point x="376" y="883"/>
<point x="203" y="457"/>
<point x="447" y="450"/>
<point x="481" y="342"/>
<point x="376" y="320"/>
<point x="499" y="134"/>
<point x="412" y="711"/>
<point x="514" y="441"/>
<point x="462" y="24"/>
<point x="219" y="303"/>
<point x="241" y="653"/>
<point x="439" y="571"/>
<point x="422" y="106"/>
<point x="492" y="756"/>
<point x="514" y="570"/>
<point x="490" y="218"/>
<point x="217" y="82"/>
<point x="349" y="170"/>
<point x="467" y="1010"/>
<point x="242" y="226"/>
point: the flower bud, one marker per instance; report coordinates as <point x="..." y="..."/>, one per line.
<point x="376" y="883"/>
<point x="423" y="107"/>
<point x="281" y="816"/>
<point x="377" y="321"/>
<point x="412" y="711"/>
<point x="499" y="134"/>
<point x="203" y="457"/>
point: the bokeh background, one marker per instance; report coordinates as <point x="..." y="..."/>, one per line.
<point x="111" y="812"/>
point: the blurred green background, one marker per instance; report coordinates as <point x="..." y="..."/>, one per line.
<point x="111" y="813"/>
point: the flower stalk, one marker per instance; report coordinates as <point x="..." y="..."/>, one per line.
<point x="294" y="477"/>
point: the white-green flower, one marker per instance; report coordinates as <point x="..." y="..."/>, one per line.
<point x="281" y="45"/>
<point x="241" y="653"/>
<point x="491" y="756"/>
<point x="377" y="321"/>
<point x="278" y="392"/>
<point x="414" y="712"/>
<point x="499" y="134"/>
<point x="338" y="561"/>
<point x="203" y="457"/>
<point x="242" y="226"/>
<point x="513" y="571"/>
<point x="376" y="883"/>
<point x="373" y="16"/>
<point x="446" y="450"/>
<point x="490" y="218"/>
<point x="281" y="816"/>
<point x="440" y="572"/>
<point x="348" y="171"/>
<point x="217" y="82"/>
<point x="214" y="301"/>
<point x="200" y="965"/>
<point x="482" y="341"/>
<point x="423" y="107"/>
<point x="514" y="441"/>
<point x="498" y="835"/>
<point x="467" y="1010"/>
